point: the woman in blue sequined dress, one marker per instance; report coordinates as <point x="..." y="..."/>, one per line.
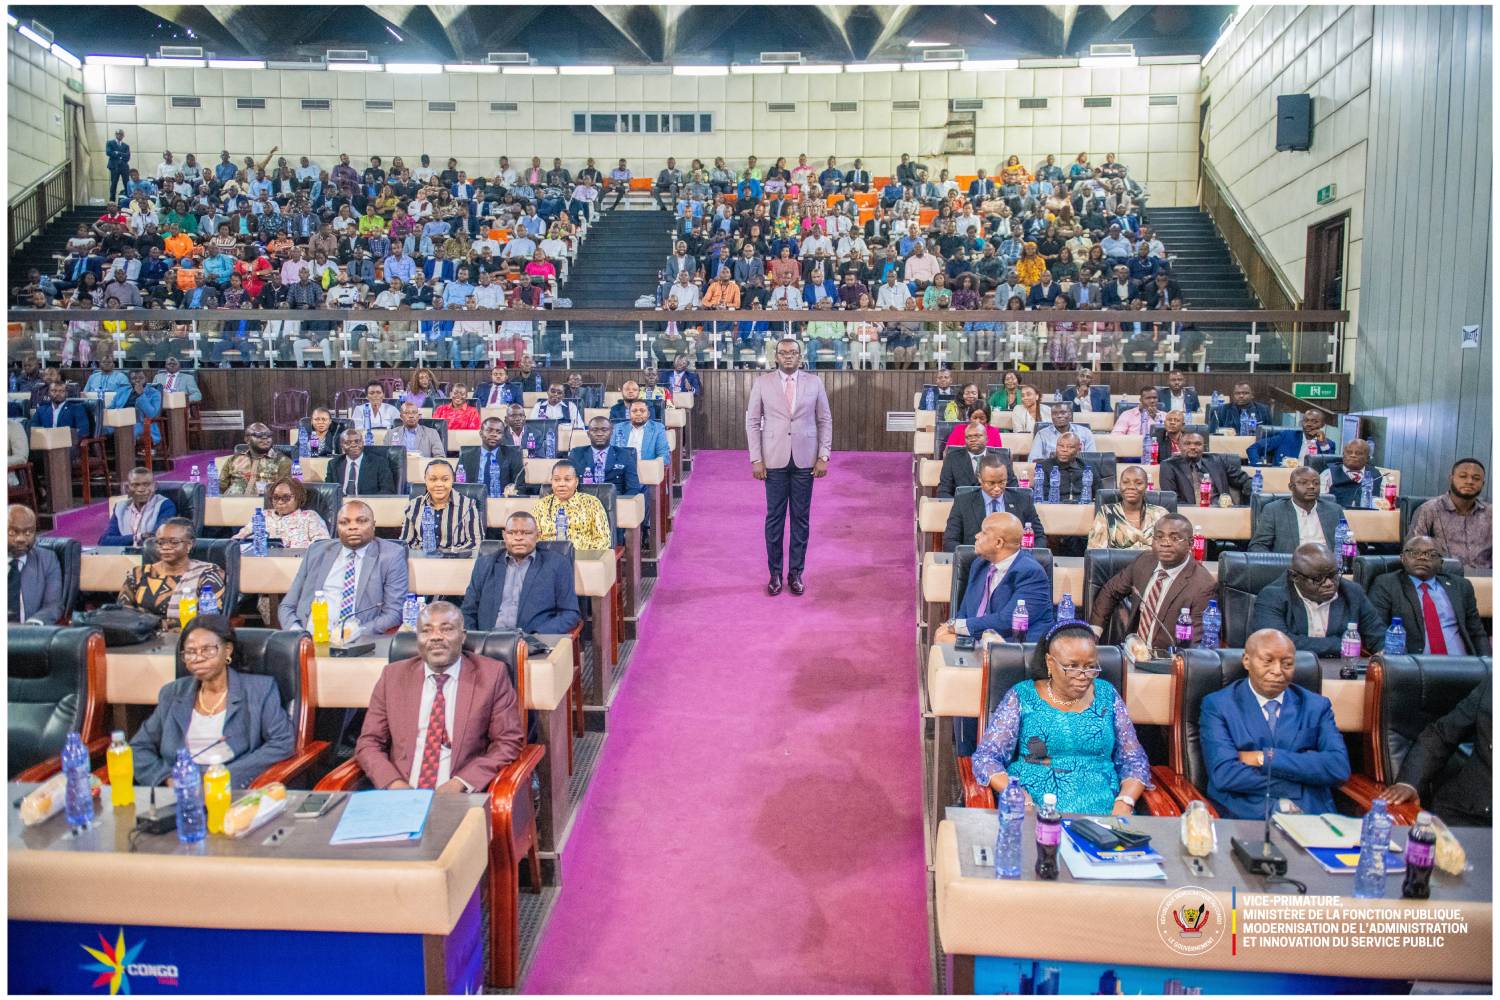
<point x="1066" y="732"/>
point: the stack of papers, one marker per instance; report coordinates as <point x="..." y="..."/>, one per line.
<point x="1093" y="865"/>
<point x="1332" y="841"/>
<point x="382" y="817"/>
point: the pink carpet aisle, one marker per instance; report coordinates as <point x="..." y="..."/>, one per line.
<point x="755" y="825"/>
<point x="87" y="523"/>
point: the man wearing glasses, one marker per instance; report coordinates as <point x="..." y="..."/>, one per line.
<point x="1313" y="605"/>
<point x="789" y="426"/>
<point x="1159" y="583"/>
<point x="247" y="472"/>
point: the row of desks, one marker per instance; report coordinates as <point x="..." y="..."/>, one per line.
<point x="924" y="444"/>
<point x="1274" y="478"/>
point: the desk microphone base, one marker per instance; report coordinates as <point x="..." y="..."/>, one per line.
<point x="1258" y="857"/>
<point x="157" y="821"/>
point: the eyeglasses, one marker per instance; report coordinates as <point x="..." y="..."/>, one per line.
<point x="280" y="497"/>
<point x="1320" y="578"/>
<point x="199" y="653"/>
<point x="1079" y="669"/>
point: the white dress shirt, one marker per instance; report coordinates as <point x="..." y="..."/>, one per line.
<point x="1317" y="617"/>
<point x="203" y="732"/>
<point x="424" y="710"/>
<point x="1309" y="527"/>
<point x="636" y="438"/>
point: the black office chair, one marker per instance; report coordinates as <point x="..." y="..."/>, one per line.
<point x="1259" y="500"/>
<point x="590" y="395"/>
<point x="222" y="552"/>
<point x="1104" y="466"/>
<point x="1368" y="568"/>
<point x="396" y="456"/>
<point x="55" y="685"/>
<point x="474" y="491"/>
<point x="188" y="499"/>
<point x="536" y="434"/>
<point x="69" y="553"/>
<point x="325" y="498"/>
<point x="1408" y="508"/>
<point x="1320" y="462"/>
<point x="1099" y="566"/>
<point x="940" y="436"/>
<point x="1160" y="498"/>
<point x="1243" y="575"/>
<point x="336" y="428"/>
<point x="441" y="426"/>
<point x="605" y="494"/>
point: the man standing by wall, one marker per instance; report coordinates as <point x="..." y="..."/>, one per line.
<point x="789" y="426"/>
<point x="117" y="153"/>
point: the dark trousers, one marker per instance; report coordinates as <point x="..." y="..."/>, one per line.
<point x="119" y="177"/>
<point x="788" y="486"/>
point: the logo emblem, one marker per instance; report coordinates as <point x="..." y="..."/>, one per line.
<point x="116" y="963"/>
<point x="1190" y="921"/>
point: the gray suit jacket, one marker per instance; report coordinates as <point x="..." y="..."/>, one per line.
<point x="429" y="444"/>
<point x="1276" y="528"/>
<point x="256" y="728"/>
<point x="380" y="592"/>
<point x="41" y="588"/>
<point x="186" y="382"/>
<point x="779" y="438"/>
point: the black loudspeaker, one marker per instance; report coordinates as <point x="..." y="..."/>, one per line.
<point x="1294" y="122"/>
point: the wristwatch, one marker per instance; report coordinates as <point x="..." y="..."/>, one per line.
<point x="1129" y="800"/>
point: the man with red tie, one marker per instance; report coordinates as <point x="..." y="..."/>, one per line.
<point x="444" y="719"/>
<point x="1438" y="609"/>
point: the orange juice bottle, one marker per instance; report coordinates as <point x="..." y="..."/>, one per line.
<point x="319" y="615"/>
<point x="121" y="765"/>
<point x="216" y="796"/>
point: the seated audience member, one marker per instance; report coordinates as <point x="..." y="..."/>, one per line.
<point x="1026" y="416"/>
<point x="646" y="437"/>
<point x="555" y="407"/>
<point x="422" y="387"/>
<point x="375" y="414"/>
<point x="1169" y="436"/>
<point x="1437" y="609"/>
<point x="1044" y="439"/>
<point x="1129" y="522"/>
<point x="359" y="474"/>
<point x="680" y="378"/>
<point x="1160" y="584"/>
<point x="969" y="511"/>
<point x="1141" y="419"/>
<point x="1459" y="521"/>
<point x="978" y="416"/>
<point x="173" y="379"/>
<point x="514" y="434"/>
<point x="1242" y="414"/>
<point x="1085" y="396"/>
<point x="1183" y="473"/>
<point x="362" y="577"/>
<point x="60" y="411"/>
<point x="1461" y="795"/>
<point x="143" y="510"/>
<point x="288" y="517"/>
<point x="1313" y="605"/>
<point x="1003" y="575"/>
<point x="1291" y="521"/>
<point x="220" y="714"/>
<point x="458" y="411"/>
<point x="1176" y="396"/>
<point x="630" y="391"/>
<point x="421" y="731"/>
<point x="1346" y="480"/>
<point x="1293" y="446"/>
<point x="413" y="435"/>
<point x="1065" y="732"/>
<point x="155" y="587"/>
<point x="1068" y="468"/>
<point x="567" y="514"/>
<point x="322" y="441"/>
<point x="961" y="465"/>
<point x="527" y="588"/>
<point x="959" y="407"/>
<point x="146" y="400"/>
<point x="35" y="579"/>
<point x="455" y="516"/>
<point x="1265" y="729"/>
<point x="245" y="473"/>
<point x="599" y="461"/>
<point x="493" y="451"/>
<point x="498" y="391"/>
<point x="106" y="379"/>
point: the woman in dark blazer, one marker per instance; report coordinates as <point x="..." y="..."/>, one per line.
<point x="221" y="715"/>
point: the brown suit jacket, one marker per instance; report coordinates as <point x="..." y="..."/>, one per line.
<point x="487" y="731"/>
<point x="1192" y="589"/>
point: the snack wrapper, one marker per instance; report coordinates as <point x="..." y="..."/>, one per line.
<point x="1450" y="856"/>
<point x="48" y="799"/>
<point x="254" y="809"/>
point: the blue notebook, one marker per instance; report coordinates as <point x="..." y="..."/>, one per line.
<point x="1343" y="860"/>
<point x="383" y="817"/>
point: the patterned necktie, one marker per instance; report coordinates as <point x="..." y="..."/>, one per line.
<point x="171" y="381"/>
<point x="1273" y="712"/>
<point x="437" y="735"/>
<point x="789" y="388"/>
<point x="346" y="601"/>
<point x="1437" y="643"/>
<point x="351" y="479"/>
<point x="598" y="466"/>
<point x="1151" y="605"/>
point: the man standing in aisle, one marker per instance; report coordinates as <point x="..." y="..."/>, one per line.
<point x="789" y="426"/>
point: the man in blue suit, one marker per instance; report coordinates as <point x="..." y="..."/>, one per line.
<point x="527" y="588"/>
<point x="1274" y="449"/>
<point x="1085" y="395"/>
<point x="60" y="411"/>
<point x="1240" y="413"/>
<point x="1176" y="394"/>
<point x="647" y="437"/>
<point x="1264" y="730"/>
<point x="679" y="379"/>
<point x="602" y="462"/>
<point x="1002" y="577"/>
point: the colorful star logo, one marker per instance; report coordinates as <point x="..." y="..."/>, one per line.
<point x="111" y="961"/>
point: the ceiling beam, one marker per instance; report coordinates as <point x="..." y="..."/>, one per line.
<point x="703" y="26"/>
<point x="837" y="18"/>
<point x="510" y="23"/>
<point x="892" y="19"/>
<point x="625" y="21"/>
<point x="200" y="22"/>
<point x="457" y="22"/>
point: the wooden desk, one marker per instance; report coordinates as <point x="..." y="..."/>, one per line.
<point x="1225" y="524"/>
<point x="52" y="450"/>
<point x="1230" y="444"/>
<point x="1484" y="594"/>
<point x="653" y="473"/>
<point x="1066" y="519"/>
<point x="229" y="512"/>
<point x="630" y="515"/>
<point x="1123" y="445"/>
<point x="121" y="425"/>
<point x="174" y="407"/>
<point x="103" y="570"/>
<point x="1375" y="525"/>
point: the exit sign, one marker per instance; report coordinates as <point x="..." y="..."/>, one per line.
<point x="1315" y="390"/>
<point x="1327" y="194"/>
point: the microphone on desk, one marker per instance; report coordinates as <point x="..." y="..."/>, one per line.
<point x="1264" y="858"/>
<point x="164" y="820"/>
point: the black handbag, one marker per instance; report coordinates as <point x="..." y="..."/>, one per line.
<point x="121" y="626"/>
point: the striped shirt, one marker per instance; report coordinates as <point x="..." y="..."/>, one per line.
<point x="458" y="524"/>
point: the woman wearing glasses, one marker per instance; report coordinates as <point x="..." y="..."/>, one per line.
<point x="288" y="517"/>
<point x="1066" y="732"/>
<point x="221" y="715"/>
<point x="155" y="587"/>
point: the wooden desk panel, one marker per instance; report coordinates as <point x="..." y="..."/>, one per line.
<point x="104" y="572"/>
<point x="1066" y="519"/>
<point x="932" y="514"/>
<point x="1229" y="524"/>
<point x="1484" y="594"/>
<point x="229" y="512"/>
<point x="1230" y="444"/>
<point x="1375" y="525"/>
<point x="269" y="574"/>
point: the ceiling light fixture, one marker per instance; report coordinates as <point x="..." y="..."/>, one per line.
<point x="700" y="70"/>
<point x="1107" y="62"/>
<point x="115" y="60"/>
<point x="236" y="64"/>
<point x="815" y="69"/>
<point x="530" y="70"/>
<point x="26" y="31"/>
<point x="756" y="69"/>
<point x="586" y="70"/>
<point x="917" y="67"/>
<point x="872" y="68"/>
<point x="990" y="19"/>
<point x="394" y="34"/>
<point x="176" y="63"/>
<point x="355" y="67"/>
<point x="66" y="56"/>
<point x="470" y="68"/>
<point x="917" y="43"/>
<point x="413" y="69"/>
<point x="988" y="65"/>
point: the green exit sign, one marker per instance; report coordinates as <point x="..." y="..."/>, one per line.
<point x="1315" y="390"/>
<point x="1327" y="194"/>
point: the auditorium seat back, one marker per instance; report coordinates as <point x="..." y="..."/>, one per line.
<point x="222" y="552"/>
<point x="1368" y="568"/>
<point x="47" y="689"/>
<point x="69" y="553"/>
<point x="396" y="456"/>
<point x="1412" y="693"/>
<point x="1010" y="664"/>
<point x="441" y="426"/>
<point x="1104" y="466"/>
<point x="1099" y="565"/>
<point x="1259" y="501"/>
<point x="1408" y="507"/>
<point x="325" y="498"/>
<point x="1242" y="575"/>
<point x="1160" y="498"/>
<point x="940" y="436"/>
<point x="509" y="647"/>
<point x="337" y="426"/>
<point x="188" y="499"/>
<point x="603" y="492"/>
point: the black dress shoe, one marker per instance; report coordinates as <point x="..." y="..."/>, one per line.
<point x="794" y="581"/>
<point x="774" y="587"/>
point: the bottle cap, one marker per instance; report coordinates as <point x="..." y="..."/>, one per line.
<point x="1049" y="799"/>
<point x="118" y="735"/>
<point x="1424" y="816"/>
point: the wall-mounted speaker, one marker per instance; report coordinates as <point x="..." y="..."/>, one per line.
<point x="1294" y="125"/>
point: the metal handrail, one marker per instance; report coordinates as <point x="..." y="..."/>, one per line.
<point x="30" y="211"/>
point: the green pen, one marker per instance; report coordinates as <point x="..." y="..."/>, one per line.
<point x="1336" y="831"/>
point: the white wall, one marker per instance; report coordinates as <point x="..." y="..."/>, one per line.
<point x="1159" y="144"/>
<point x="37" y="82"/>
<point x="1319" y="50"/>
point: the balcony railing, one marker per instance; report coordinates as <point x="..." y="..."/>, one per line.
<point x="39" y="204"/>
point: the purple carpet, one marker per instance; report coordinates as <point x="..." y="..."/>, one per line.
<point x="755" y="824"/>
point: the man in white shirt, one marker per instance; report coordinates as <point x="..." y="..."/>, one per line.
<point x="815" y="243"/>
<point x="921" y="265"/>
<point x="683" y="294"/>
<point x="785" y="296"/>
<point x="168" y="168"/>
<point x="555" y="407"/>
<point x="554" y="248"/>
<point x="894" y="294"/>
<point x="521" y="246"/>
<point x="487" y="294"/>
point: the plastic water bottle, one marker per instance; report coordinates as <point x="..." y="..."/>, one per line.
<point x="211" y="487"/>
<point x="1066" y="609"/>
<point x="1213" y="624"/>
<point x="1150" y="447"/>
<point x="1395" y="638"/>
<point x="297" y="469"/>
<point x="530" y="442"/>
<point x="1028" y="537"/>
<point x="1011" y="805"/>
<point x="1039" y="487"/>
<point x="78" y="802"/>
<point x="208" y="601"/>
<point x="429" y="532"/>
<point x="459" y="475"/>
<point x="1247" y="425"/>
<point x="1349" y="645"/>
<point x="1374" y="841"/>
<point x="12" y="381"/>
<point x="410" y="608"/>
<point x="1048" y="835"/>
<point x="1087" y="496"/>
<point x="1216" y="400"/>
<point x="1344" y="537"/>
<point x="1367" y="493"/>
<point x="1200" y="544"/>
<point x="1054" y="486"/>
<point x="192" y="823"/>
<point x="1257" y="484"/>
<point x="303" y="448"/>
<point x="1183" y="632"/>
<point x="493" y="487"/>
<point x="1421" y="852"/>
<point x="1205" y="491"/>
<point x="258" y="544"/>
<point x="550" y="450"/>
<point x="1020" y="620"/>
<point x="195" y="475"/>
<point x="561" y="524"/>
